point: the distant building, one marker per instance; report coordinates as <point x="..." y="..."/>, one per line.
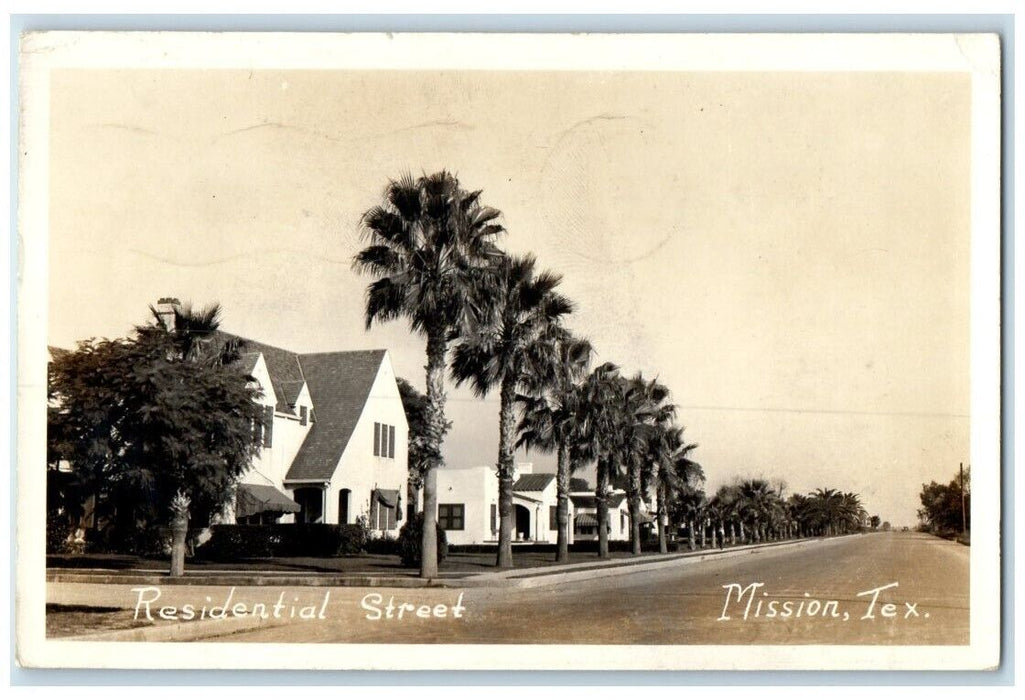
<point x="468" y="505"/>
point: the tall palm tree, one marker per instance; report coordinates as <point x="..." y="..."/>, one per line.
<point x="550" y="420"/>
<point x="507" y="342"/>
<point x="430" y="242"/>
<point x="598" y="421"/>
<point x="672" y="471"/>
<point x="648" y="412"/>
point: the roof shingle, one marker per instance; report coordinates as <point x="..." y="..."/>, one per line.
<point x="339" y="385"/>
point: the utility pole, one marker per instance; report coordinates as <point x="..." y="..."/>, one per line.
<point x="964" y="518"/>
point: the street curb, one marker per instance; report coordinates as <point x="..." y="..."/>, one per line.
<point x="246" y="579"/>
<point x="539" y="580"/>
<point x="511" y="578"/>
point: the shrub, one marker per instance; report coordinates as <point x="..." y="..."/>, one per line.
<point x="229" y="542"/>
<point x="59" y="529"/>
<point x="382" y="545"/>
<point x="410" y="537"/>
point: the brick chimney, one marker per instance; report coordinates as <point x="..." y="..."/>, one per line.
<point x="166" y="307"/>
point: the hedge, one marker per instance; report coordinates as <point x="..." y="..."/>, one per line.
<point x="229" y="542"/>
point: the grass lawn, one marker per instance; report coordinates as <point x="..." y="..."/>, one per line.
<point x="71" y="620"/>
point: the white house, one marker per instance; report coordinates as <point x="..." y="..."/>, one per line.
<point x="335" y="444"/>
<point x="468" y="505"/>
<point x="585" y="521"/>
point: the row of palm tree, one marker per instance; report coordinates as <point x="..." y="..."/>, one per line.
<point x="753" y="511"/>
<point x="494" y="321"/>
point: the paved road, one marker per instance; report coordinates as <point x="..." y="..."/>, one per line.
<point x="818" y="584"/>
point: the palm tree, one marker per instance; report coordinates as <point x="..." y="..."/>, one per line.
<point x="673" y="470"/>
<point x="637" y="409"/>
<point x="507" y="342"/>
<point x="598" y="420"/>
<point x="756" y="499"/>
<point x="689" y="505"/>
<point x="430" y="243"/>
<point x="726" y="499"/>
<point x="550" y="420"/>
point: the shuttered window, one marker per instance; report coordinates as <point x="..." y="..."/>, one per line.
<point x="302" y="415"/>
<point x="494" y="518"/>
<point x="384" y="440"/>
<point x="268" y="425"/>
<point x="553" y="517"/>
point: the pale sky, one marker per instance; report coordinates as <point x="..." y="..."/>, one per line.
<point x="788" y="252"/>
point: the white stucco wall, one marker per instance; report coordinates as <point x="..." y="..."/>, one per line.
<point x="358" y="469"/>
<point x="477" y="489"/>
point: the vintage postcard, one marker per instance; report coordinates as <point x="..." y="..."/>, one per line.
<point x="366" y="351"/>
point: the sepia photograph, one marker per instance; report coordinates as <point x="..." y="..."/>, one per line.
<point x="509" y="352"/>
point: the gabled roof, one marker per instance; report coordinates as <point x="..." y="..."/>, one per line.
<point x="282" y="366"/>
<point x="339" y="385"/>
<point x="533" y="482"/>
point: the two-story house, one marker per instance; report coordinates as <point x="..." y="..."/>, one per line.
<point x="334" y="445"/>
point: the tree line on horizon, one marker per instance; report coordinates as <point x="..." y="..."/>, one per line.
<point x="497" y="322"/>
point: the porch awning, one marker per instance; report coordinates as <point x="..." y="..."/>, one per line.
<point x="587" y="520"/>
<point x="251" y="499"/>
<point x="645" y="518"/>
<point x="389" y="498"/>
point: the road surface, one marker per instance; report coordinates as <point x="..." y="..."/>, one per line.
<point x="687" y="604"/>
<point x="884" y="588"/>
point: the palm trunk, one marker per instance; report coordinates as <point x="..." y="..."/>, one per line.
<point x="602" y="506"/>
<point x="660" y="513"/>
<point x="690" y="534"/>
<point x="634" y="506"/>
<point x="704" y="534"/>
<point x="506" y="467"/>
<point x="743" y="537"/>
<point x="562" y="509"/>
<point x="437" y="427"/>
<point x="733" y="533"/>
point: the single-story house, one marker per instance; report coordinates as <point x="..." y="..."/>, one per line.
<point x="468" y="505"/>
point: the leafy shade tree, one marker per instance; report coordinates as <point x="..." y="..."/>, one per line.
<point x="875" y="521"/>
<point x="138" y="420"/>
<point x="430" y="242"/>
<point x="509" y="342"/>
<point x="549" y="423"/>
<point x="415" y="405"/>
<point x="941" y="510"/>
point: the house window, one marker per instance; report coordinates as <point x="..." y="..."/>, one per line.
<point x="302" y="415"/>
<point x="450" y="516"/>
<point x="384" y="440"/>
<point x="553" y="517"/>
<point x="494" y="518"/>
